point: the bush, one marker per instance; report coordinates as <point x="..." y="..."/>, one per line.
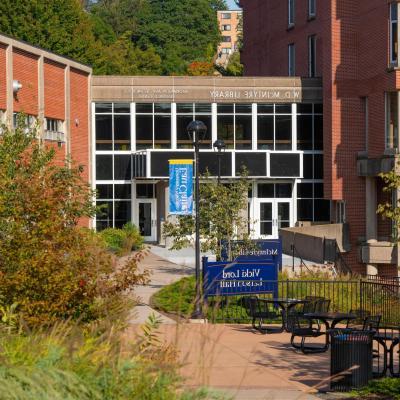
<point x="69" y="363"/>
<point x="122" y="241"/>
<point x="50" y="266"/>
<point x="386" y="388"/>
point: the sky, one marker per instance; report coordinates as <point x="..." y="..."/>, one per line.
<point x="232" y="4"/>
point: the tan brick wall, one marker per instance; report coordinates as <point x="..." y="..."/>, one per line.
<point x="54" y="90"/>
<point x="25" y="69"/>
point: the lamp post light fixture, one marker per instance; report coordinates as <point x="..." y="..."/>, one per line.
<point x="220" y="147"/>
<point x="197" y="131"/>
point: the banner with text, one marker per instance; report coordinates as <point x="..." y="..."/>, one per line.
<point x="181" y="187"/>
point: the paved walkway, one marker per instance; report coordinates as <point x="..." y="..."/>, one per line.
<point x="231" y="358"/>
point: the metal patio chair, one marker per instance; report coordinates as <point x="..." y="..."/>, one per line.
<point x="259" y="312"/>
<point x="308" y="307"/>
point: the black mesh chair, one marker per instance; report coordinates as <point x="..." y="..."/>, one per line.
<point x="305" y="308"/>
<point x="306" y="331"/>
<point x="259" y="312"/>
<point x="359" y="321"/>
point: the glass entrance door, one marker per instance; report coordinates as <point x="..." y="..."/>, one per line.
<point x="272" y="215"/>
<point x="147" y="219"/>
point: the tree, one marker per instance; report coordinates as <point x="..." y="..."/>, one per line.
<point x="49" y="267"/>
<point x="234" y="67"/>
<point x="223" y="217"/>
<point x="201" y="68"/>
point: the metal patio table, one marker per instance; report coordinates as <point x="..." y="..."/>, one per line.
<point x="383" y="339"/>
<point x="330" y="319"/>
<point x="285" y="305"/>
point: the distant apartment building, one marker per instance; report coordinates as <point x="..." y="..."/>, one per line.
<point x="231" y="29"/>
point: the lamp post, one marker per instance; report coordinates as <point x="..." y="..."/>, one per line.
<point x="219" y="146"/>
<point x="197" y="131"/>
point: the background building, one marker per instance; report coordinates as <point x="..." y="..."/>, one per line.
<point x="353" y="46"/>
<point x="230" y="25"/>
<point x="51" y="90"/>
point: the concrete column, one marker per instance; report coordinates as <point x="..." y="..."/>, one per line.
<point x="371" y="229"/>
<point x="41" y="95"/>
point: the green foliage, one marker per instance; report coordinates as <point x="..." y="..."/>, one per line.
<point x="223" y="216"/>
<point x="122" y="241"/>
<point x="48" y="265"/>
<point x="234" y="67"/>
<point x="69" y="363"/>
<point x="386" y="388"/>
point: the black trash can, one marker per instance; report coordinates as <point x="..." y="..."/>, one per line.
<point x="351" y="359"/>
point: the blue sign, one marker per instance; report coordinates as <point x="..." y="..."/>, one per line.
<point x="267" y="250"/>
<point x="181" y="187"/>
<point x="225" y="278"/>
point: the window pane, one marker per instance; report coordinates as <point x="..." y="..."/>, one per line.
<point x="266" y="191"/>
<point x="104" y="214"/>
<point x="393" y="123"/>
<point x="122" y="191"/>
<point x="243" y="108"/>
<point x="304" y="108"/>
<point x="318" y="108"/>
<point x="104" y="191"/>
<point x="304" y="132"/>
<point x="319" y="190"/>
<point x="308" y="166"/>
<point x="162" y="131"/>
<point x="225" y="108"/>
<point x="144" y="191"/>
<point x="265" y="211"/>
<point x="283" y="190"/>
<point x="322" y="210"/>
<point x="104" y="167"/>
<point x="122" y="167"/>
<point x="144" y="131"/>
<point x="122" y="132"/>
<point x="318" y="132"/>
<point x="283" y="108"/>
<point x="144" y="108"/>
<point x="122" y="108"/>
<point x="305" y="190"/>
<point x="243" y="131"/>
<point x="318" y="166"/>
<point x="265" y="132"/>
<point x="283" y="132"/>
<point x="103" y="132"/>
<point x="265" y="108"/>
<point x="162" y="108"/>
<point x="305" y="210"/>
<point x="207" y="119"/>
<point x="122" y="213"/>
<point x="184" y="108"/>
<point x="183" y="141"/>
<point x="203" y="108"/>
<point x="103" y="107"/>
<point x="225" y="130"/>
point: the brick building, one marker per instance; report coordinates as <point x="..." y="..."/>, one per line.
<point x="50" y="89"/>
<point x="230" y="25"/>
<point x="353" y="47"/>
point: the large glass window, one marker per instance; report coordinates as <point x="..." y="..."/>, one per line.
<point x="291" y="12"/>
<point x="309" y="127"/>
<point x="392" y="120"/>
<point x="274" y="127"/>
<point x="311" y="206"/>
<point x="312" y="56"/>
<point x="394" y="33"/>
<point x="113" y="126"/>
<point x="225" y="124"/>
<point x="291" y="60"/>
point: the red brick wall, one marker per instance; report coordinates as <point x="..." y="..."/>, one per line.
<point x="352" y="59"/>
<point x="25" y="69"/>
<point x="80" y="123"/>
<point x="54" y="90"/>
<point x="3" y="80"/>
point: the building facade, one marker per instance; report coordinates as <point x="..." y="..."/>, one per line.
<point x="353" y="47"/>
<point x="51" y="90"/>
<point x="230" y="26"/>
<point x="271" y="126"/>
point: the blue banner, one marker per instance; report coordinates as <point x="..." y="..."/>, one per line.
<point x="181" y="187"/>
<point x="239" y="277"/>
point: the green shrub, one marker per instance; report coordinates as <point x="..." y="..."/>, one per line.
<point x="122" y="241"/>
<point x="386" y="388"/>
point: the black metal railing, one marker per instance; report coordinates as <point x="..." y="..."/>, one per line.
<point x="378" y="298"/>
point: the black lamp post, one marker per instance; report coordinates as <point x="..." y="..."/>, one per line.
<point x="197" y="131"/>
<point x="219" y="146"/>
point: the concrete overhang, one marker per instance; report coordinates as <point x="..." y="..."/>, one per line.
<point x="206" y="89"/>
<point x="369" y="167"/>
